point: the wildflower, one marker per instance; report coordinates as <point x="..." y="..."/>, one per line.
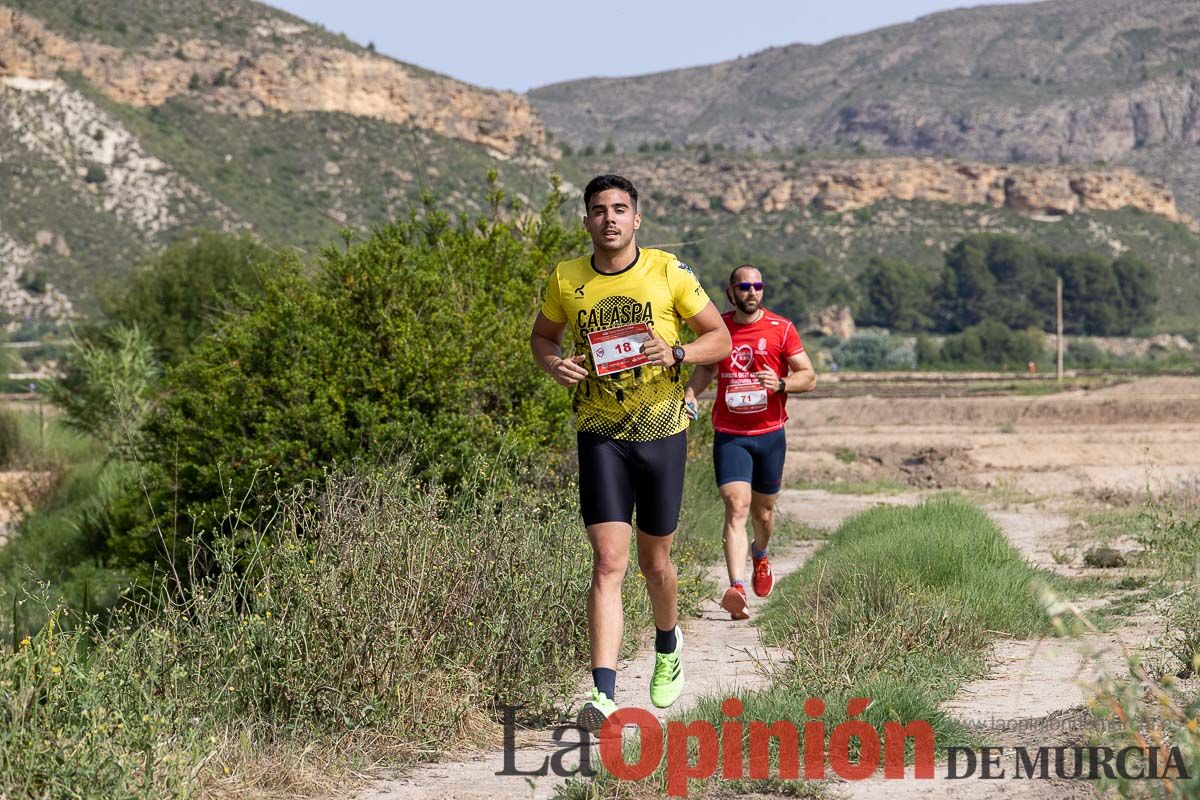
<point x="54" y="670"/>
<point x="25" y="642"/>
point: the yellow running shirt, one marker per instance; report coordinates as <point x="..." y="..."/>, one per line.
<point x="642" y="403"/>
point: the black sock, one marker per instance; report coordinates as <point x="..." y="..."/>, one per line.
<point x="606" y="681"/>
<point x="664" y="641"/>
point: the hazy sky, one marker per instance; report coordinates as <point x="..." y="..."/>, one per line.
<point x="521" y="45"/>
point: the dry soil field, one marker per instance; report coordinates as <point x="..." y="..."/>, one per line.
<point x="1037" y="463"/>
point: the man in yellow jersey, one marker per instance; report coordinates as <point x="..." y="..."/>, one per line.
<point x="625" y="307"/>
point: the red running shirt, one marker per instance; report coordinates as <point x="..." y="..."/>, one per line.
<point x="743" y="406"/>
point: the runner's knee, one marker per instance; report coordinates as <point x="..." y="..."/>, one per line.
<point x="656" y="571"/>
<point x="737" y="507"/>
<point x="763" y="514"/>
<point x="609" y="566"/>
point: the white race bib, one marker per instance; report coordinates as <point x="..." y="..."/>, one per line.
<point x="619" y="349"/>
<point x="746" y="398"/>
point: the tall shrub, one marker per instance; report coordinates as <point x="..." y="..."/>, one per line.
<point x="411" y="340"/>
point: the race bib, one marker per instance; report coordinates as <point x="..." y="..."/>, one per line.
<point x="746" y="398"/>
<point x="619" y="349"/>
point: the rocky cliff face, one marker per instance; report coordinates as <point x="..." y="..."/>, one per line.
<point x="273" y="70"/>
<point x="1050" y="82"/>
<point x="738" y="185"/>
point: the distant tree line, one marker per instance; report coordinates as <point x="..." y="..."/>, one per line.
<point x="987" y="278"/>
<point x="1002" y="279"/>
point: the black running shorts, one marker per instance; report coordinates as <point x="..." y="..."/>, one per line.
<point x="757" y="460"/>
<point x="616" y="476"/>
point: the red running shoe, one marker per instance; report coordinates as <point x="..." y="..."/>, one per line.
<point x="763" y="580"/>
<point x="734" y="602"/>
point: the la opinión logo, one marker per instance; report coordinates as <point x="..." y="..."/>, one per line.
<point x="728" y="747"/>
<point x="742" y="749"/>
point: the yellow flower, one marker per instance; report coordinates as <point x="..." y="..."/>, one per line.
<point x="55" y="669"/>
<point x="25" y="642"/>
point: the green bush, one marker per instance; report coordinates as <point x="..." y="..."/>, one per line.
<point x="873" y="350"/>
<point x="11" y="441"/>
<point x="413" y="340"/>
<point x="927" y="351"/>
<point x="177" y="297"/>
<point x="108" y="390"/>
<point x="895" y="295"/>
<point x="992" y="345"/>
<point x="1082" y="354"/>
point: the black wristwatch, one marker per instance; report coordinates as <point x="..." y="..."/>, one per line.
<point x="678" y="352"/>
<point x="781" y="388"/>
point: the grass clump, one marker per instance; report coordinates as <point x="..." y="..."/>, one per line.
<point x="1169" y="534"/>
<point x="1150" y="701"/>
<point x="1142" y="704"/>
<point x="898" y="607"/>
<point x="383" y="620"/>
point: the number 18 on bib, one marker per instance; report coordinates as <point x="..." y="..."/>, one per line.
<point x="619" y="349"/>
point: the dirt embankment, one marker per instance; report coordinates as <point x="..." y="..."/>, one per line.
<point x="1155" y="401"/>
<point x="1113" y="441"/>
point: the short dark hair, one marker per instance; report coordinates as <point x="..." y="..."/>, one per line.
<point x="738" y="268"/>
<point x="602" y="183"/>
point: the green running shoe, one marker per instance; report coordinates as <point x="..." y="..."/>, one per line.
<point x="591" y="717"/>
<point x="667" y="682"/>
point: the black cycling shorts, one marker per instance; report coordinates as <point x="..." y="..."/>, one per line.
<point x="616" y="476"/>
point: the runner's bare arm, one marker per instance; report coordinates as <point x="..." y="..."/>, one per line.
<point x="712" y="337"/>
<point x="701" y="377"/>
<point x="546" y="344"/>
<point x="802" y="377"/>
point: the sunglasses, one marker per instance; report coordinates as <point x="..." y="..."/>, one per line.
<point x="746" y="286"/>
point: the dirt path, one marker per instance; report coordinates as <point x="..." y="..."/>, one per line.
<point x="1036" y="691"/>
<point x="721" y="657"/>
<point x="1039" y="684"/>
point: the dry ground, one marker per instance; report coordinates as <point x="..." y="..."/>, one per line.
<point x="1107" y="443"/>
<point x="1041" y="457"/>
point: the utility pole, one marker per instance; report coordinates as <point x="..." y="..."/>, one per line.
<point x="1059" y="339"/>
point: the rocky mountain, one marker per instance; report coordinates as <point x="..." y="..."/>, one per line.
<point x="126" y="124"/>
<point x="721" y="208"/>
<point x="835" y="186"/>
<point x="275" y="64"/>
<point x="1051" y="82"/>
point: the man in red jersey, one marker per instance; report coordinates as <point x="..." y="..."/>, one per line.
<point x="767" y="364"/>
